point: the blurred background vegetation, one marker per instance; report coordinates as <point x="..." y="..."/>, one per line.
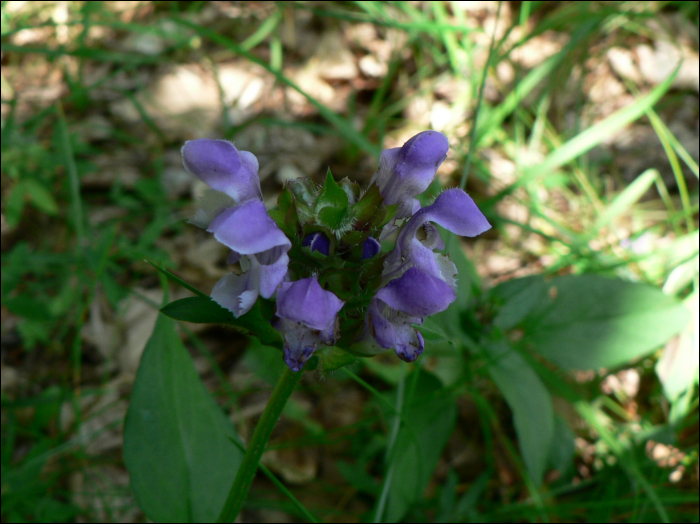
<point x="575" y="125"/>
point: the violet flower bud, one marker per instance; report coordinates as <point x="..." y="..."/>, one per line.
<point x="308" y="317"/>
<point x="317" y="242"/>
<point x="370" y="248"/>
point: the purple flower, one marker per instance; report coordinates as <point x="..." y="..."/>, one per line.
<point x="317" y="242"/>
<point x="405" y="172"/>
<point x="233" y="211"/>
<point x="419" y="282"/>
<point x="308" y="316"/>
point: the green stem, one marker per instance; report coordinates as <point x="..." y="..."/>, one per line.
<point x="249" y="466"/>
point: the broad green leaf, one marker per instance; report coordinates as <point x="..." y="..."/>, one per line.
<point x="590" y="321"/>
<point x="265" y="361"/>
<point x="429" y="416"/>
<point x="562" y="449"/>
<point x="176" y="439"/>
<point x="203" y="310"/>
<point x="529" y="401"/>
<point x="519" y="296"/>
<point x="199" y="310"/>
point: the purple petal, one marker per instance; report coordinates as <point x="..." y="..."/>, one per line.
<point x="307" y="302"/>
<point x="370" y="248"/>
<point x="247" y="229"/>
<point x="406" y="172"/>
<point x="454" y="210"/>
<point x="272" y="275"/>
<point x="392" y="330"/>
<point x="317" y="242"/>
<point x="237" y="293"/>
<point x="221" y="166"/>
<point x="417" y="293"/>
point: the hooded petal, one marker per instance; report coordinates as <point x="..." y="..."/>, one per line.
<point x="417" y="293"/>
<point x="247" y="229"/>
<point x="307" y="302"/>
<point x="454" y="210"/>
<point x="221" y="166"/>
<point x="237" y="293"/>
<point x="408" y="171"/>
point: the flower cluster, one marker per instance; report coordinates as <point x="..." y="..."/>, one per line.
<point x="319" y="252"/>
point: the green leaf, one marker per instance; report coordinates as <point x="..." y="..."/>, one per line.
<point x="429" y="416"/>
<point x="332" y="358"/>
<point x="14" y="204"/>
<point x="630" y="196"/>
<point x="562" y="449"/>
<point x="332" y="204"/>
<point x="367" y="206"/>
<point x="528" y="399"/>
<point x="520" y="296"/>
<point x="352" y="189"/>
<point x="303" y="190"/>
<point x="357" y="477"/>
<point x="265" y="361"/>
<point x="41" y="197"/>
<point x="203" y="310"/>
<point x="177" y="279"/>
<point x="432" y="331"/>
<point x="590" y="321"/>
<point x="176" y="439"/>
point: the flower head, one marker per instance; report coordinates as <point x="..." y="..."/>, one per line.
<point x="419" y="282"/>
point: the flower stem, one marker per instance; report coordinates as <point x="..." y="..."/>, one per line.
<point x="244" y="478"/>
